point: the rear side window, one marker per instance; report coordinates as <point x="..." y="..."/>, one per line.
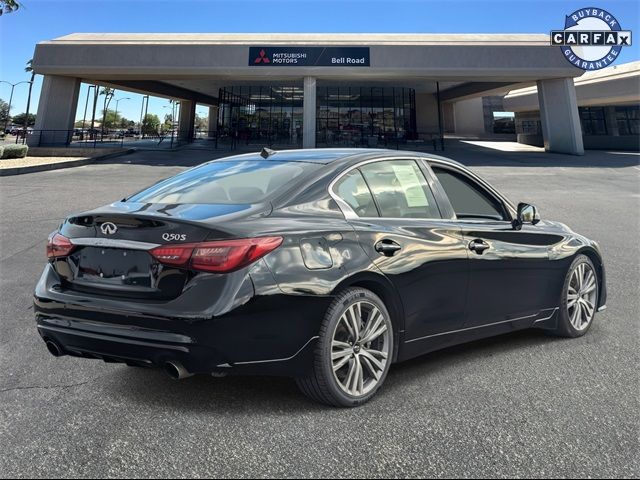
<point x="468" y="199"/>
<point x="400" y="189"/>
<point x="222" y="182"/>
<point x="354" y="191"/>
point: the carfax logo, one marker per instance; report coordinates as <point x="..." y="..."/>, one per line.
<point x="592" y="38"/>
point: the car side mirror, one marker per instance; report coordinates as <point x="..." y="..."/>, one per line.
<point x="526" y="214"/>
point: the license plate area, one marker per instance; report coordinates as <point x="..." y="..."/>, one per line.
<point x="115" y="267"/>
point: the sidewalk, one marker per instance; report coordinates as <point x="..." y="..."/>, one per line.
<point x="30" y="164"/>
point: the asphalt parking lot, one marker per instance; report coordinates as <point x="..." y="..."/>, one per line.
<point x="522" y="405"/>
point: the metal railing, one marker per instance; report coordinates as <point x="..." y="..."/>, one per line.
<point x="95" y="139"/>
<point x="222" y="140"/>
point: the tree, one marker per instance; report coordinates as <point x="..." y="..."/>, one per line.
<point x="8" y="6"/>
<point x="24" y="119"/>
<point x="202" y="123"/>
<point x="110" y="119"/>
<point x="168" y="122"/>
<point x="150" y="124"/>
<point x="108" y="95"/>
<point x="29" y="69"/>
<point x="4" y="112"/>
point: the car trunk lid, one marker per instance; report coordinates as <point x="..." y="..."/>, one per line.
<point x="113" y="244"/>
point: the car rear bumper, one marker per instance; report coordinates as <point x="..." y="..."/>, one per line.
<point x="267" y="334"/>
<point x="95" y="343"/>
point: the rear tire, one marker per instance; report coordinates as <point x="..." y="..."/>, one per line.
<point x="354" y="352"/>
<point x="579" y="299"/>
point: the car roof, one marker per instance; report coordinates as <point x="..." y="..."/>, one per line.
<point x="326" y="156"/>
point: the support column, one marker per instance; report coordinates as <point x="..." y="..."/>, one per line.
<point x="559" y="116"/>
<point x="213" y="122"/>
<point x="187" y="120"/>
<point x="56" y="111"/>
<point x="309" y="113"/>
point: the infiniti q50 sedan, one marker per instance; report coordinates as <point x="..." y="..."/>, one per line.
<point x="323" y="265"/>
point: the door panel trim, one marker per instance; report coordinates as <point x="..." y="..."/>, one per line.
<point x="553" y="311"/>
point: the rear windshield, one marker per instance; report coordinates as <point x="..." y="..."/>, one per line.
<point x="223" y="182"/>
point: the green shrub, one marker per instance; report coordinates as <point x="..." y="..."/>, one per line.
<point x="14" y="151"/>
<point x="1" y="150"/>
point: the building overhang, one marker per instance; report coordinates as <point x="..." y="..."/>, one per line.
<point x="615" y="85"/>
<point x="197" y="64"/>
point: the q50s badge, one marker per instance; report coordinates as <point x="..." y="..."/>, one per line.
<point x="170" y="237"/>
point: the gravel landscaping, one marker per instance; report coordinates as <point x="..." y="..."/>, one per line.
<point x="35" y="161"/>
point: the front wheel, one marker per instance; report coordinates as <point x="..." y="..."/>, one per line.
<point x="354" y="351"/>
<point x="579" y="300"/>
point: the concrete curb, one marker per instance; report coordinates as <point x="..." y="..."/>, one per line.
<point x="4" y="172"/>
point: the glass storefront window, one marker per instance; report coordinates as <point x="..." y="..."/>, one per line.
<point x="364" y="116"/>
<point x="592" y="120"/>
<point x="530" y="127"/>
<point x="262" y="115"/>
<point x="628" y="118"/>
<point x="345" y="115"/>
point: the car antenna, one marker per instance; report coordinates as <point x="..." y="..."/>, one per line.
<point x="266" y="152"/>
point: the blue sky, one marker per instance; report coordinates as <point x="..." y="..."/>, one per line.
<point x="45" y="19"/>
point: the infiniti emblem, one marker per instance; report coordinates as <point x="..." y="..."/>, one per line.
<point x="108" y="228"/>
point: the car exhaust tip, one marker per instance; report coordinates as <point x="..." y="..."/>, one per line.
<point x="54" y="349"/>
<point x="176" y="371"/>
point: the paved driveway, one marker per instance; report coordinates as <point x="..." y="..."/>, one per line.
<point x="519" y="405"/>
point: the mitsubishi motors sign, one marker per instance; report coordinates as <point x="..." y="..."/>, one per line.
<point x="309" y="56"/>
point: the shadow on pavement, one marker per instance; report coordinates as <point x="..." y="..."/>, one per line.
<point x="485" y="156"/>
<point x="260" y="395"/>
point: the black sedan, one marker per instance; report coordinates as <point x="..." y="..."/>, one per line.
<point x="323" y="265"/>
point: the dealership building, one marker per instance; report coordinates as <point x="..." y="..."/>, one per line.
<point x="608" y="107"/>
<point x="318" y="89"/>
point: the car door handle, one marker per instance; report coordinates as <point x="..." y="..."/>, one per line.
<point x="388" y="248"/>
<point x="478" y="246"/>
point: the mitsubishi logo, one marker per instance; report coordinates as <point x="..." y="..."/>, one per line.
<point x="262" y="58"/>
<point x="108" y="228"/>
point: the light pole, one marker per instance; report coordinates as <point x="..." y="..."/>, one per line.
<point x="86" y="104"/>
<point x="13" y="85"/>
<point x="145" y="99"/>
<point x="201" y="115"/>
<point x="116" y="117"/>
<point x="93" y="115"/>
<point x="124" y="98"/>
<point x="176" y="107"/>
<point x="172" y="106"/>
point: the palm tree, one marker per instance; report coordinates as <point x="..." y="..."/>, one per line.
<point x="108" y="95"/>
<point x="8" y="6"/>
<point x="29" y="69"/>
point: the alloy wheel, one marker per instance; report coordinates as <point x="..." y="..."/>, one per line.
<point x="582" y="296"/>
<point x="360" y="348"/>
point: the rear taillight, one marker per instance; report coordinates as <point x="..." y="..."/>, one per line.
<point x="59" y="246"/>
<point x="221" y="256"/>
